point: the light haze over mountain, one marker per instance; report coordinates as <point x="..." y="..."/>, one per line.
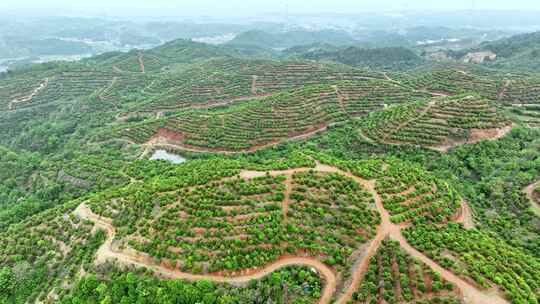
<point x="241" y="7"/>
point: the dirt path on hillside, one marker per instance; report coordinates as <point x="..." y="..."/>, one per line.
<point x="382" y="232"/>
<point x="465" y="216"/>
<point x="384" y="229"/>
<point x="535" y="199"/>
<point x="145" y="152"/>
<point x="106" y="252"/>
<point x="503" y="90"/>
<point x="472" y="295"/>
<point x="341" y="99"/>
<point x="438" y="94"/>
<point x="141" y="62"/>
<point x="254" y="85"/>
<point x="210" y="105"/>
<point x="107" y="89"/>
<point x="406" y="123"/>
<point x="388" y="229"/>
<point x="364" y="136"/>
<point x="287" y="199"/>
<point x="42" y="86"/>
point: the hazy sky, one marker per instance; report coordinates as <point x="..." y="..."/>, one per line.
<point x="250" y="7"/>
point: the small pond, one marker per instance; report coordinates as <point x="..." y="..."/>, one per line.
<point x="170" y="157"/>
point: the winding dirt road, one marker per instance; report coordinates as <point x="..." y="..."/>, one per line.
<point x="529" y="191"/>
<point x="472" y="295"/>
<point x="106" y="252"/>
<point x="42" y="86"/>
<point x="141" y="62"/>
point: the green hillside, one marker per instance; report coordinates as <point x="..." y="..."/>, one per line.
<point x="291" y="38"/>
<point x="352" y="176"/>
<point x="391" y="57"/>
<point x="520" y="52"/>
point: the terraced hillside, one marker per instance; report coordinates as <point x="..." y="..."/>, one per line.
<point x="236" y="223"/>
<point x="161" y="58"/>
<point x="417" y="196"/>
<point x="275" y="76"/>
<point x="439" y="124"/>
<point x="283" y="99"/>
<point x="523" y="97"/>
<point x="270" y="120"/>
<point x="232" y="225"/>
<point x="66" y="84"/>
<point x="221" y="81"/>
<point x="108" y="76"/>
<point x="104" y="88"/>
<point x="447" y="81"/>
<point x="489" y="262"/>
<point x="395" y="277"/>
<point x="516" y="91"/>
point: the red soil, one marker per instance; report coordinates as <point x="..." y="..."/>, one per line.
<point x="476" y="135"/>
<point x="165" y="137"/>
<point x="167" y="134"/>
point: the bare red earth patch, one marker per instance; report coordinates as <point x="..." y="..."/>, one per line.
<point x="166" y="134"/>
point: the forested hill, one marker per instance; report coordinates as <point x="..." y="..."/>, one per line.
<point x="292" y="38"/>
<point x="390" y="57"/>
<point x="169" y="54"/>
<point x="520" y="52"/>
<point x="515" y="45"/>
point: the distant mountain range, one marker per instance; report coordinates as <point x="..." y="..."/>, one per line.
<point x="292" y="38"/>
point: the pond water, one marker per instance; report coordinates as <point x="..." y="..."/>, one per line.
<point x="170" y="157"/>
